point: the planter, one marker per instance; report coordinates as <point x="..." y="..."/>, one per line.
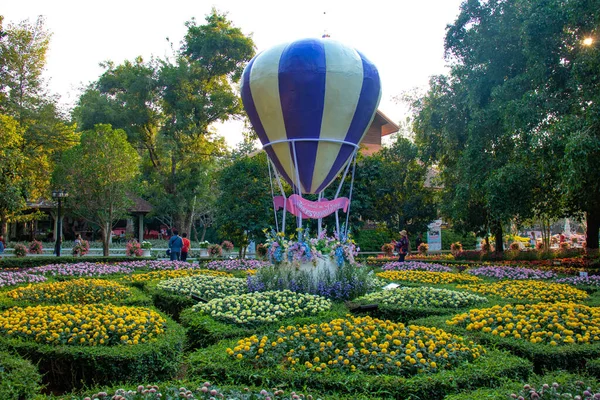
<point x="203" y="252"/>
<point x="146" y="253"/>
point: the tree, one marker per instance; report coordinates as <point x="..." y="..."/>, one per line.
<point x="167" y="107"/>
<point x="100" y="174"/>
<point x="13" y="179"/>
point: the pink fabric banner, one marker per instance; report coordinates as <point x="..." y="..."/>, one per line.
<point x="301" y="207"/>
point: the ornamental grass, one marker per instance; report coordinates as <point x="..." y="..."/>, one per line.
<point x="357" y="343"/>
<point x="422" y="297"/>
<point x="429" y="277"/>
<point x="529" y="290"/>
<point x="205" y="286"/>
<point x="82" y="325"/>
<point x="161" y="275"/>
<point x="550" y="323"/>
<point x="263" y="307"/>
<point x="81" y="291"/>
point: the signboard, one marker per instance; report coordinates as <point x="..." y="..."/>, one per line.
<point x="304" y="208"/>
<point x="434" y="235"/>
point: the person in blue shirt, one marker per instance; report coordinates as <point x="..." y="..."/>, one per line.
<point x="175" y="245"/>
<point x="1" y="246"/>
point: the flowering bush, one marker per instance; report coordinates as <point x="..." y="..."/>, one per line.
<point x="511" y="273"/>
<point x="146" y="245"/>
<point x="388" y="249"/>
<point x="207" y="287"/>
<point x="422" y="297"/>
<point x="19" y="250"/>
<point x="81" y="291"/>
<point x="551" y="323"/>
<point x="82" y="269"/>
<point x="227" y="245"/>
<point x="236" y="265"/>
<point x="205" y="392"/>
<point x="36" y="247"/>
<point x="162" y="275"/>
<point x="204" y="244"/>
<point x="554" y="391"/>
<point x="134" y="249"/>
<point x="265" y="307"/>
<point x="435" y="278"/>
<point x="12" y="278"/>
<point x="83" y="325"/>
<point x="81" y="248"/>
<point x="214" y="250"/>
<point x="415" y="265"/>
<point x="357" y="343"/>
<point x="456" y="248"/>
<point x="423" y="248"/>
<point x="530" y="290"/>
<point x="593" y="280"/>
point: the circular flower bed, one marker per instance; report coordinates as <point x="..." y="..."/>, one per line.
<point x="434" y="278"/>
<point x="362" y="343"/>
<point x="529" y="290"/>
<point x="511" y="273"/>
<point x="82" y="269"/>
<point x="161" y="275"/>
<point x="12" y="278"/>
<point x="422" y="297"/>
<point x="264" y="307"/>
<point x="551" y="323"/>
<point x="82" y="291"/>
<point x="415" y="265"/>
<point x="593" y="280"/>
<point x="236" y="265"/>
<point x="83" y="325"/>
<point x="207" y="287"/>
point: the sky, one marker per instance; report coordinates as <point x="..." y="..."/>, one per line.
<point x="404" y="39"/>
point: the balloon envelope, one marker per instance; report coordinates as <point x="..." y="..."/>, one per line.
<point x="318" y="93"/>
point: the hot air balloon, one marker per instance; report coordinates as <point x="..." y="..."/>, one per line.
<point x="311" y="102"/>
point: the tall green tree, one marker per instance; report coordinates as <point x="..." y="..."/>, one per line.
<point x="100" y="175"/>
<point x="13" y="178"/>
<point x="167" y="107"/>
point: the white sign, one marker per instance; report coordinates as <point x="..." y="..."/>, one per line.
<point x="434" y="235"/>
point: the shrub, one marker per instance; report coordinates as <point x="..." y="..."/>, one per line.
<point x="449" y="236"/>
<point x="214" y="250"/>
<point x="20" y="250"/>
<point x="529" y="290"/>
<point x="423" y="248"/>
<point x="469" y="255"/>
<point x="134" y="249"/>
<point x="36" y="247"/>
<point x="265" y="307"/>
<point x="435" y="278"/>
<point x="19" y="378"/>
<point x="371" y="239"/>
<point x="388" y="249"/>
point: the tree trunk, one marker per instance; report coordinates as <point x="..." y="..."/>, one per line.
<point x="497" y="232"/>
<point x="203" y="232"/>
<point x="593" y="225"/>
<point x="106" y="230"/>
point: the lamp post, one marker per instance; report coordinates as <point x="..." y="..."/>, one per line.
<point x="59" y="194"/>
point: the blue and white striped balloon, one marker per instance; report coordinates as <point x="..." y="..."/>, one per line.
<point x="316" y="89"/>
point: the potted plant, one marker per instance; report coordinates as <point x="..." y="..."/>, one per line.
<point x="146" y="248"/>
<point x="388" y="249"/>
<point x="423" y="248"/>
<point x="81" y="248"/>
<point x="134" y="249"/>
<point x="214" y="250"/>
<point x="227" y="246"/>
<point x="456" y="248"/>
<point x="204" y="248"/>
<point x="36" y="247"/>
<point x="20" y="250"/>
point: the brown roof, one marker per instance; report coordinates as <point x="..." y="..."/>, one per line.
<point x="139" y="205"/>
<point x="387" y="125"/>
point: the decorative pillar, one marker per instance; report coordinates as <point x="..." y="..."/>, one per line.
<point x="140" y="228"/>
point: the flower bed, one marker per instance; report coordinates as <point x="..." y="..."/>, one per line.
<point x="593" y="280"/>
<point x="422" y="297"/>
<point x="237" y="264"/>
<point x="81" y="291"/>
<point x="161" y="275"/>
<point x="529" y="290"/>
<point x="82" y="325"/>
<point x="435" y="278"/>
<point x="13" y="278"/>
<point x="207" y="287"/>
<point x="503" y="272"/>
<point x="415" y="266"/>
<point x="263" y="307"/>
<point x="363" y="343"/>
<point x="82" y="269"/>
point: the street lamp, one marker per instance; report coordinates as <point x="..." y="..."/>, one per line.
<point x="58" y="194"/>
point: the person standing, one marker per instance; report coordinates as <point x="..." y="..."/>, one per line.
<point x="186" y="246"/>
<point x="532" y="240"/>
<point x="402" y="246"/>
<point x="1" y="246"/>
<point x="175" y="245"/>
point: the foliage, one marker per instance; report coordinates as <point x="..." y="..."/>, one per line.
<point x="19" y="378"/>
<point x="205" y="286"/>
<point x="319" y="348"/>
<point x="529" y="290"/>
<point x="434" y="278"/>
<point x="422" y="297"/>
<point x="19" y="250"/>
<point x="99" y="174"/>
<point x="371" y="239"/>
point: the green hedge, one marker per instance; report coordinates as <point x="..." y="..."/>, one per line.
<point x="204" y="330"/>
<point x="214" y="364"/>
<point x="28" y="262"/>
<point x="545" y="357"/>
<point x="169" y="302"/>
<point x="373" y="239"/>
<point x="405" y="314"/>
<point x="70" y="367"/>
<point x="19" y="378"/>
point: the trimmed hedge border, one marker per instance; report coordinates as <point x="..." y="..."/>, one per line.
<point x="545" y="357"/>
<point x="203" y="330"/>
<point x="214" y="364"/>
<point x="71" y="367"/>
<point x="19" y="378"/>
<point x="169" y="302"/>
<point x="28" y="262"/>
